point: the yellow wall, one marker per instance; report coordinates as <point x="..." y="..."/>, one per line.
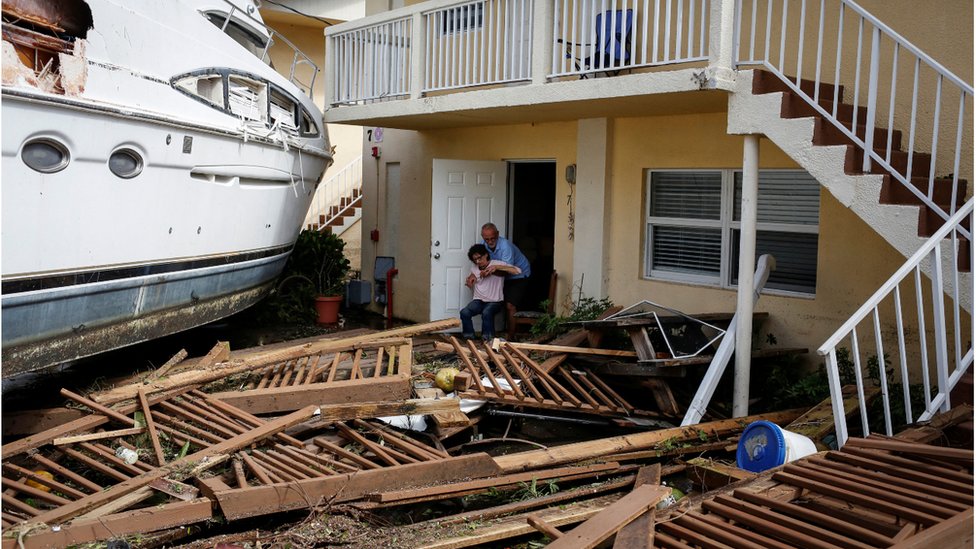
<point x="414" y="152"/>
<point x="853" y="260"/>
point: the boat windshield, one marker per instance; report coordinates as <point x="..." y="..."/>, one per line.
<point x="251" y="42"/>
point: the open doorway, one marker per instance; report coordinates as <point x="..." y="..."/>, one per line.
<point x="532" y="207"/>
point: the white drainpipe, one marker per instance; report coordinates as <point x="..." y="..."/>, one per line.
<point x="747" y="262"/>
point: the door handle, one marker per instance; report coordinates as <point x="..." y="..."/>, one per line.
<point x="437" y="243"/>
<point x="437" y="256"/>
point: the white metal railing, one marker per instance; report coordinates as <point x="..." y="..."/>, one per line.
<point x="845" y="43"/>
<point x="298" y="57"/>
<point x="372" y="63"/>
<point x="594" y="36"/>
<point x="477" y="43"/>
<point x="446" y="45"/>
<point x="346" y="184"/>
<point x="950" y="354"/>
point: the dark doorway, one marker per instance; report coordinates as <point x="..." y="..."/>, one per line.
<point x="533" y="219"/>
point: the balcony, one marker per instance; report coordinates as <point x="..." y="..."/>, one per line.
<point x="450" y="64"/>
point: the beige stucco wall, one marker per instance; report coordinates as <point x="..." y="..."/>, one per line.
<point x="853" y="260"/>
<point x="414" y="152"/>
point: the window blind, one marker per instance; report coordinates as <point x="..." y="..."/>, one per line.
<point x="687" y="250"/>
<point x="695" y="195"/>
<point x="784" y="197"/>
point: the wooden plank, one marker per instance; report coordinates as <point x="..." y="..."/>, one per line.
<point x="260" y="500"/>
<point x="564" y="349"/>
<point x="180" y="356"/>
<point x="818" y="422"/>
<point x="150" y="519"/>
<point x="711" y="474"/>
<point x="253" y="362"/>
<point x="961" y="455"/>
<point x="955" y="533"/>
<point x="195" y="461"/>
<point x="285" y="399"/>
<point x="543" y="526"/>
<point x="569" y="453"/>
<point x="514" y="526"/>
<point x="151" y="426"/>
<point x="608" y="521"/>
<point x="61" y="441"/>
<point x="388" y="496"/>
<point x="640" y="532"/>
<point x="29" y="422"/>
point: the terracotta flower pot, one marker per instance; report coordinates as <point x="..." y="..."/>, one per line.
<point x="327" y="308"/>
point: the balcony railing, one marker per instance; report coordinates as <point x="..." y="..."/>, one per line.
<point x="442" y="46"/>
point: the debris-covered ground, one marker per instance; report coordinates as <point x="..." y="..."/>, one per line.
<point x="407" y="437"/>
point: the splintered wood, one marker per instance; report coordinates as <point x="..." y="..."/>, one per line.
<point x="524" y="382"/>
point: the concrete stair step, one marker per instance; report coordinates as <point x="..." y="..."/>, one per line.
<point x="894" y="192"/>
<point x="767" y="82"/>
<point x="825" y="133"/>
<point x="921" y="162"/>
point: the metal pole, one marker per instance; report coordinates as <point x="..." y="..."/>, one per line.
<point x="747" y="261"/>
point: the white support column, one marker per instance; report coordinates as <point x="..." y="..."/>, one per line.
<point x="721" y="44"/>
<point x="542" y="39"/>
<point x="747" y="262"/>
<point x="593" y="149"/>
<point x="418" y="54"/>
<point x="328" y="73"/>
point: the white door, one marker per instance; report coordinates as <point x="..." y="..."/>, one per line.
<point x="465" y="194"/>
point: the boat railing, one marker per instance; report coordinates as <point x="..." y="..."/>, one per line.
<point x="298" y="58"/>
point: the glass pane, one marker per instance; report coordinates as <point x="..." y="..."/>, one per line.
<point x="796" y="259"/>
<point x="784" y="197"/>
<point x="686" y="250"/>
<point x="686" y="195"/>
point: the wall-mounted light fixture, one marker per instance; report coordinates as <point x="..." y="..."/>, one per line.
<point x="571" y="174"/>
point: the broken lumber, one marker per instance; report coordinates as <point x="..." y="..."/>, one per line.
<point x="571" y="350"/>
<point x="224" y="369"/>
<point x="640" y="531"/>
<point x="607" y="522"/>
<point x="593" y="449"/>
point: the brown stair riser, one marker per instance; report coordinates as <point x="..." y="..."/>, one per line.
<point x="767" y="82"/>
<point x="921" y="162"/>
<point x="794" y="106"/>
<point x="894" y="192"/>
<point x="929" y="221"/>
<point x="825" y="133"/>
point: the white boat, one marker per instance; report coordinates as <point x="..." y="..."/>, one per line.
<point x="156" y="170"/>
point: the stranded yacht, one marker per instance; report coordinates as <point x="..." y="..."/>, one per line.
<point x="156" y="169"/>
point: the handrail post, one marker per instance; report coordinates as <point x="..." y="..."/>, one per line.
<point x="418" y="52"/>
<point x="329" y="78"/>
<point x="543" y="37"/>
<point x="836" y="399"/>
<point x="872" y="99"/>
<point x="939" y="327"/>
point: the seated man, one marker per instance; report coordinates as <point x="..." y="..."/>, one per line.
<point x="487" y="287"/>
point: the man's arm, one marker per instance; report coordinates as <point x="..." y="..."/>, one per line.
<point x="500" y="268"/>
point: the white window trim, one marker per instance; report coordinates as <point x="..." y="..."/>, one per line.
<point x="725" y="223"/>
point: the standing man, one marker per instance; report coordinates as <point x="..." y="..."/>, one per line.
<point x="516" y="285"/>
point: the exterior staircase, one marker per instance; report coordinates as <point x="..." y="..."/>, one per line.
<point x="337" y="203"/>
<point x="892" y="192"/>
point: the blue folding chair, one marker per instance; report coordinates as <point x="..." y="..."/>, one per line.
<point x="612" y="40"/>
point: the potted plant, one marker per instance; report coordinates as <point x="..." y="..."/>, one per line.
<point x="319" y="261"/>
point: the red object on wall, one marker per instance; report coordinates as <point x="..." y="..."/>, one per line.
<point x="374" y="235"/>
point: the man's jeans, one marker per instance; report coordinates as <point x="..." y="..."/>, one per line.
<point x="487" y="310"/>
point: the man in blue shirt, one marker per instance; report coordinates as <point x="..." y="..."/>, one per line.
<point x="501" y="249"/>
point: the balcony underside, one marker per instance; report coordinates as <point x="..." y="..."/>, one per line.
<point x="628" y="95"/>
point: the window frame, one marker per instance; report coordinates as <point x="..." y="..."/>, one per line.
<point x="726" y="223"/>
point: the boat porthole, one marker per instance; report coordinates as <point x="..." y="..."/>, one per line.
<point x="45" y="155"/>
<point x="125" y="163"/>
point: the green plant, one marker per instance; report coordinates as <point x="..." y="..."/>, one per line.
<point x="317" y="266"/>
<point x="318" y="259"/>
<point x="585" y="308"/>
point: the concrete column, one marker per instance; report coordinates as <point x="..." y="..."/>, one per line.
<point x="418" y="47"/>
<point x="542" y="39"/>
<point x="747" y="269"/>
<point x="721" y="44"/>
<point x="593" y="148"/>
<point x="328" y="74"/>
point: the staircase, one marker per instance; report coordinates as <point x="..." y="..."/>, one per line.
<point x="337" y="203"/>
<point x="886" y="130"/>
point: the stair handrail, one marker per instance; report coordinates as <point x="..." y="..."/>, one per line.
<point x="931" y="251"/>
<point x="867" y="144"/>
<point x="343" y="184"/>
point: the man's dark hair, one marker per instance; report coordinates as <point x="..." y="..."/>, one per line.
<point x="479" y="249"/>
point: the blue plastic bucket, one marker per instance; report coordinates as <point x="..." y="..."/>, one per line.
<point x="764" y="445"/>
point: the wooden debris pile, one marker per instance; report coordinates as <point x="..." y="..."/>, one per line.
<point x="336" y="429"/>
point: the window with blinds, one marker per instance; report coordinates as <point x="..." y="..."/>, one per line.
<point x="693" y="220"/>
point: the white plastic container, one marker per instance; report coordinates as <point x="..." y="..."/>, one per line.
<point x="765" y="445"/>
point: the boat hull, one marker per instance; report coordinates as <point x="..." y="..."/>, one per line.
<point x="94" y="262"/>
